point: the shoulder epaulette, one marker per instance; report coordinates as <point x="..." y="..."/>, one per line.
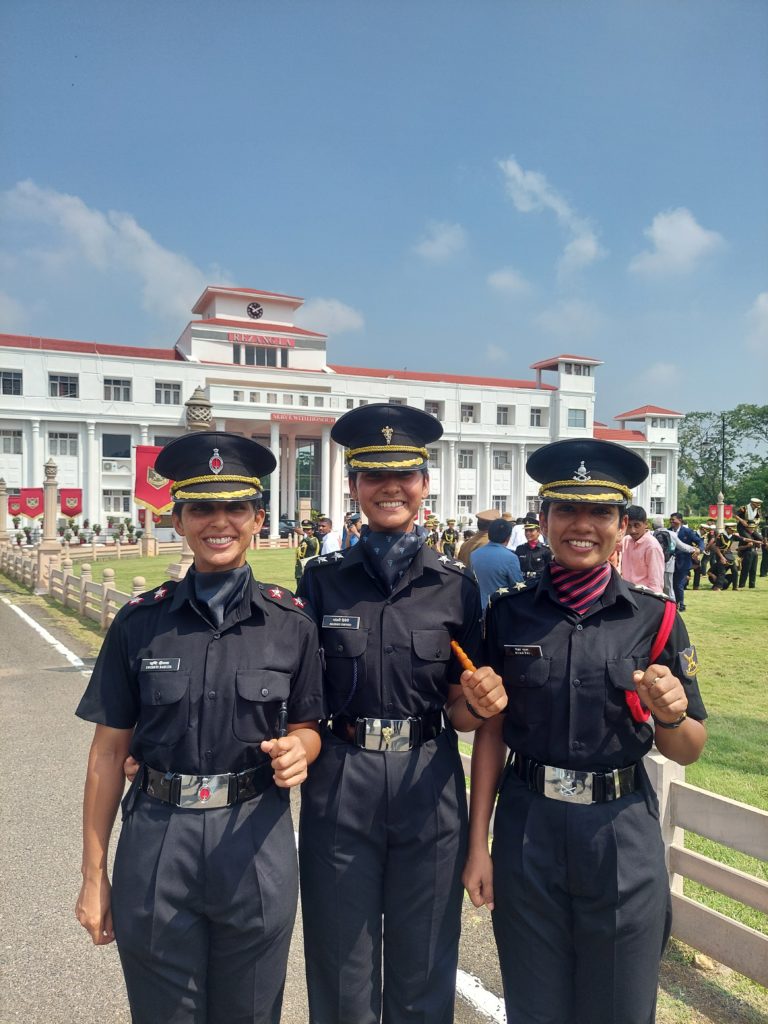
<point x="517" y="588"/>
<point x="453" y="563"/>
<point x="283" y="597"/>
<point x="153" y="597"/>
<point x="638" y="588"/>
<point x="324" y="560"/>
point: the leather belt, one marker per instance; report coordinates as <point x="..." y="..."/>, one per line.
<point x="398" y="734"/>
<point x="204" y="792"/>
<point x="571" y="786"/>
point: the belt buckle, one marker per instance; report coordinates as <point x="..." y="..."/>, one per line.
<point x="204" y="791"/>
<point x="567" y="785"/>
<point x="386" y="734"/>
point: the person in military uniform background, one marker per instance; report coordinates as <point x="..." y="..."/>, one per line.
<point x="534" y="555"/>
<point x="383" y="813"/>
<point x="450" y="538"/>
<point x="308" y="547"/>
<point x="432" y="526"/>
<point x="594" y="668"/>
<point x="214" y="685"/>
<point x="480" y="537"/>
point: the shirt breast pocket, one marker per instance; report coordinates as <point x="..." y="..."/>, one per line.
<point x="164" y="714"/>
<point x="258" y="693"/>
<point x="430" y="651"/>
<point x="619" y="672"/>
<point x="526" y="681"/>
<point x="344" y="653"/>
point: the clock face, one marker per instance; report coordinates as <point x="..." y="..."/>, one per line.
<point x="255" y="311"/>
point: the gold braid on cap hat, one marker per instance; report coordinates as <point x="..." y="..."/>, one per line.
<point x="355" y="463"/>
<point x="546" y="492"/>
<point x="248" y="492"/>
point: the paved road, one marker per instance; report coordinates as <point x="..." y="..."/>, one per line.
<point x="51" y="972"/>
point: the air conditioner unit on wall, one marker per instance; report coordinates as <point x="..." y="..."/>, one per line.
<point x="109" y="467"/>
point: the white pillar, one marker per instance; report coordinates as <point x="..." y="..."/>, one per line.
<point x="144" y="433"/>
<point x="519" y="496"/>
<point x="274" y="490"/>
<point x="35" y="456"/>
<point x="325" y="471"/>
<point x="451" y="509"/>
<point x="291" y="474"/>
<point x="93" y="475"/>
<point x="337" y="487"/>
<point x="487" y="474"/>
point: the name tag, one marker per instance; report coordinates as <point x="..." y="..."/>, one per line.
<point x="522" y="650"/>
<point x="341" y="622"/>
<point x="160" y="664"/>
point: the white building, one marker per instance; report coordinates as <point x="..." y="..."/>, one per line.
<point x="88" y="405"/>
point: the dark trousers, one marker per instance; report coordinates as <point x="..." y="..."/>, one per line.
<point x="582" y="908"/>
<point x="748" y="572"/>
<point x="382" y="846"/>
<point x="680" y="582"/>
<point x="203" y="905"/>
<point x="764" y="558"/>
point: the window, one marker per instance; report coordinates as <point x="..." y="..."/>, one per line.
<point x="116" y="501"/>
<point x="287" y="399"/>
<point x="466" y="458"/>
<point x="167" y="393"/>
<point x="567" y="367"/>
<point x="254" y="396"/>
<point x="319" y="401"/>
<point x="464" y="504"/>
<point x="467" y="412"/>
<point x="433" y="454"/>
<point x="433" y="408"/>
<point x="657" y="506"/>
<point x="11" y="382"/>
<point x="303" y="399"/>
<point x="164" y="439"/>
<point x="501" y="459"/>
<point x="62" y="385"/>
<point x="577" y="417"/>
<point x="117" y="389"/>
<point x="429" y="504"/>
<point x="238" y="396"/>
<point x="505" y="414"/>
<point x="578" y="369"/>
<point x="396" y="401"/>
<point x="271" y="398"/>
<point x="250" y="355"/>
<point x="535" y="417"/>
<point x="363" y="401"/>
<point x="657" y="463"/>
<point x="62" y="444"/>
<point x="10" y="442"/>
<point x="350" y="403"/>
<point x="115" y="446"/>
<point x="499" y="502"/>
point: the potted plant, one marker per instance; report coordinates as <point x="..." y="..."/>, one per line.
<point x="16" y="521"/>
<point x="97" y="528"/>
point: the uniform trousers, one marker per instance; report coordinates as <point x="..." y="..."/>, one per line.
<point x="582" y="907"/>
<point x="383" y="835"/>
<point x="748" y="573"/>
<point x="203" y="907"/>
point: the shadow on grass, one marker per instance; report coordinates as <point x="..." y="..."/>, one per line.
<point x="722" y="996"/>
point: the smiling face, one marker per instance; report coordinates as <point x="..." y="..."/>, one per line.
<point x="390" y="501"/>
<point x="219" y="532"/>
<point x="582" y="535"/>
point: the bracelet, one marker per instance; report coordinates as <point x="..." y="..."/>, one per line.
<point x="671" y="725"/>
<point x="472" y="711"/>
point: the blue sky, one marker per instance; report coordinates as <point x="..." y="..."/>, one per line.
<point x="461" y="186"/>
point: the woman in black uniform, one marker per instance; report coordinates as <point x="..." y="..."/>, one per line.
<point x="577" y="881"/>
<point x="214" y="685"/>
<point x="383" y="816"/>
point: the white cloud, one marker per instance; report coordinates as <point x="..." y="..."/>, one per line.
<point x="109" y="242"/>
<point x="508" y="280"/>
<point x="679" y="244"/>
<point x="757" y="320"/>
<point x="661" y="375"/>
<point x="573" y="319"/>
<point x="441" y="242"/>
<point x="531" y="193"/>
<point x="13" y="316"/>
<point x="496" y="354"/>
<point x="329" y="316"/>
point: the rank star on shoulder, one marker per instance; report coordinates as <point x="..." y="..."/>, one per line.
<point x="298" y="602"/>
<point x="444" y="559"/>
<point x="459" y="565"/>
<point x="275" y="592"/>
<point x="160" y="592"/>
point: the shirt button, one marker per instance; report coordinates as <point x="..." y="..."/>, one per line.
<point x="388" y="649"/>
<point x="340" y="648"/>
<point x="576" y="682"/>
<point x="576" y="745"/>
<point x="157" y="696"/>
<point x="212" y="694"/>
<point x="264" y="691"/>
<point x="579" y="627"/>
<point x="523" y="677"/>
<point x="438" y="653"/>
<point x="208" y="755"/>
<point x="217" y="636"/>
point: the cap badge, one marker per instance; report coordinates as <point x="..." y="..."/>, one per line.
<point x="388" y="432"/>
<point x="216" y="463"/>
<point x="582" y="473"/>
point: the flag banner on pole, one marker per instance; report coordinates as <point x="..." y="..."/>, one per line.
<point x="14" y="504"/>
<point x="151" y="490"/>
<point x="142" y="514"/>
<point x="31" y="499"/>
<point x="71" y="500"/>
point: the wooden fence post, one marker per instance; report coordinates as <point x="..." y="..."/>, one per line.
<point x="662" y="773"/>
<point x="85" y="579"/>
<point x="107" y="584"/>
<point x="138" y="586"/>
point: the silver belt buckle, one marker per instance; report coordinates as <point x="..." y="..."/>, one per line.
<point x="204" y="791"/>
<point x="387" y="734"/>
<point x="568" y="785"/>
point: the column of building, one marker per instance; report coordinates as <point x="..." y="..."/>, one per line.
<point x="92" y="474"/>
<point x="274" y="489"/>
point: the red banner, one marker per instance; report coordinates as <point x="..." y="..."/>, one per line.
<point x="71" y="501"/>
<point x="713" y="511"/>
<point x="150" y="490"/>
<point x="142" y="514"/>
<point x="14" y="504"/>
<point x="31" y="499"/>
<point x="728" y="511"/>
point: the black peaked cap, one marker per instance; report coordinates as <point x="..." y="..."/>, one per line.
<point x="214" y="465"/>
<point x="386" y="437"/>
<point x="585" y="469"/>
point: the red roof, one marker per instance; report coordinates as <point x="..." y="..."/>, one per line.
<point x="259" y="326"/>
<point x="612" y="434"/>
<point x="551" y="363"/>
<point x="86" y="347"/>
<point x="223" y="289"/>
<point x="646" y="410"/>
<point x="445" y="378"/>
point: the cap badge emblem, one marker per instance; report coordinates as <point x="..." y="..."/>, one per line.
<point x="582" y="473"/>
<point x="387" y="432"/>
<point x="216" y="463"/>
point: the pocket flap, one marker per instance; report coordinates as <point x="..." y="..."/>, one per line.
<point x="521" y="671"/>
<point x="431" y="644"/>
<point x="344" y="643"/>
<point x="160" y="688"/>
<point x="263" y="684"/>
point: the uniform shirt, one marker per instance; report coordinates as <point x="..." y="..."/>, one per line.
<point x="566" y="674"/>
<point x="201" y="698"/>
<point x="533" y="560"/>
<point x="389" y="655"/>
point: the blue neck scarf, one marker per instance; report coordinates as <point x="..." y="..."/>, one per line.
<point x="216" y="594"/>
<point x="388" y="555"/>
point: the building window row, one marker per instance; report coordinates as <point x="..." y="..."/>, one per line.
<point x="63" y="385"/>
<point x="663" y="422"/>
<point x="10" y="442"/>
<point x="117" y="389"/>
<point x="60" y="443"/>
<point x="11" y="382"/>
<point x="116" y="501"/>
<point x="577" y="369"/>
<point x="577" y="417"/>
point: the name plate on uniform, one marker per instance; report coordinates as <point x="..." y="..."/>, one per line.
<point x="341" y="622"/>
<point x="522" y="650"/>
<point x="160" y="664"/>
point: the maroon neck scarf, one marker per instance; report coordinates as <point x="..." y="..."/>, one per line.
<point x="578" y="590"/>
